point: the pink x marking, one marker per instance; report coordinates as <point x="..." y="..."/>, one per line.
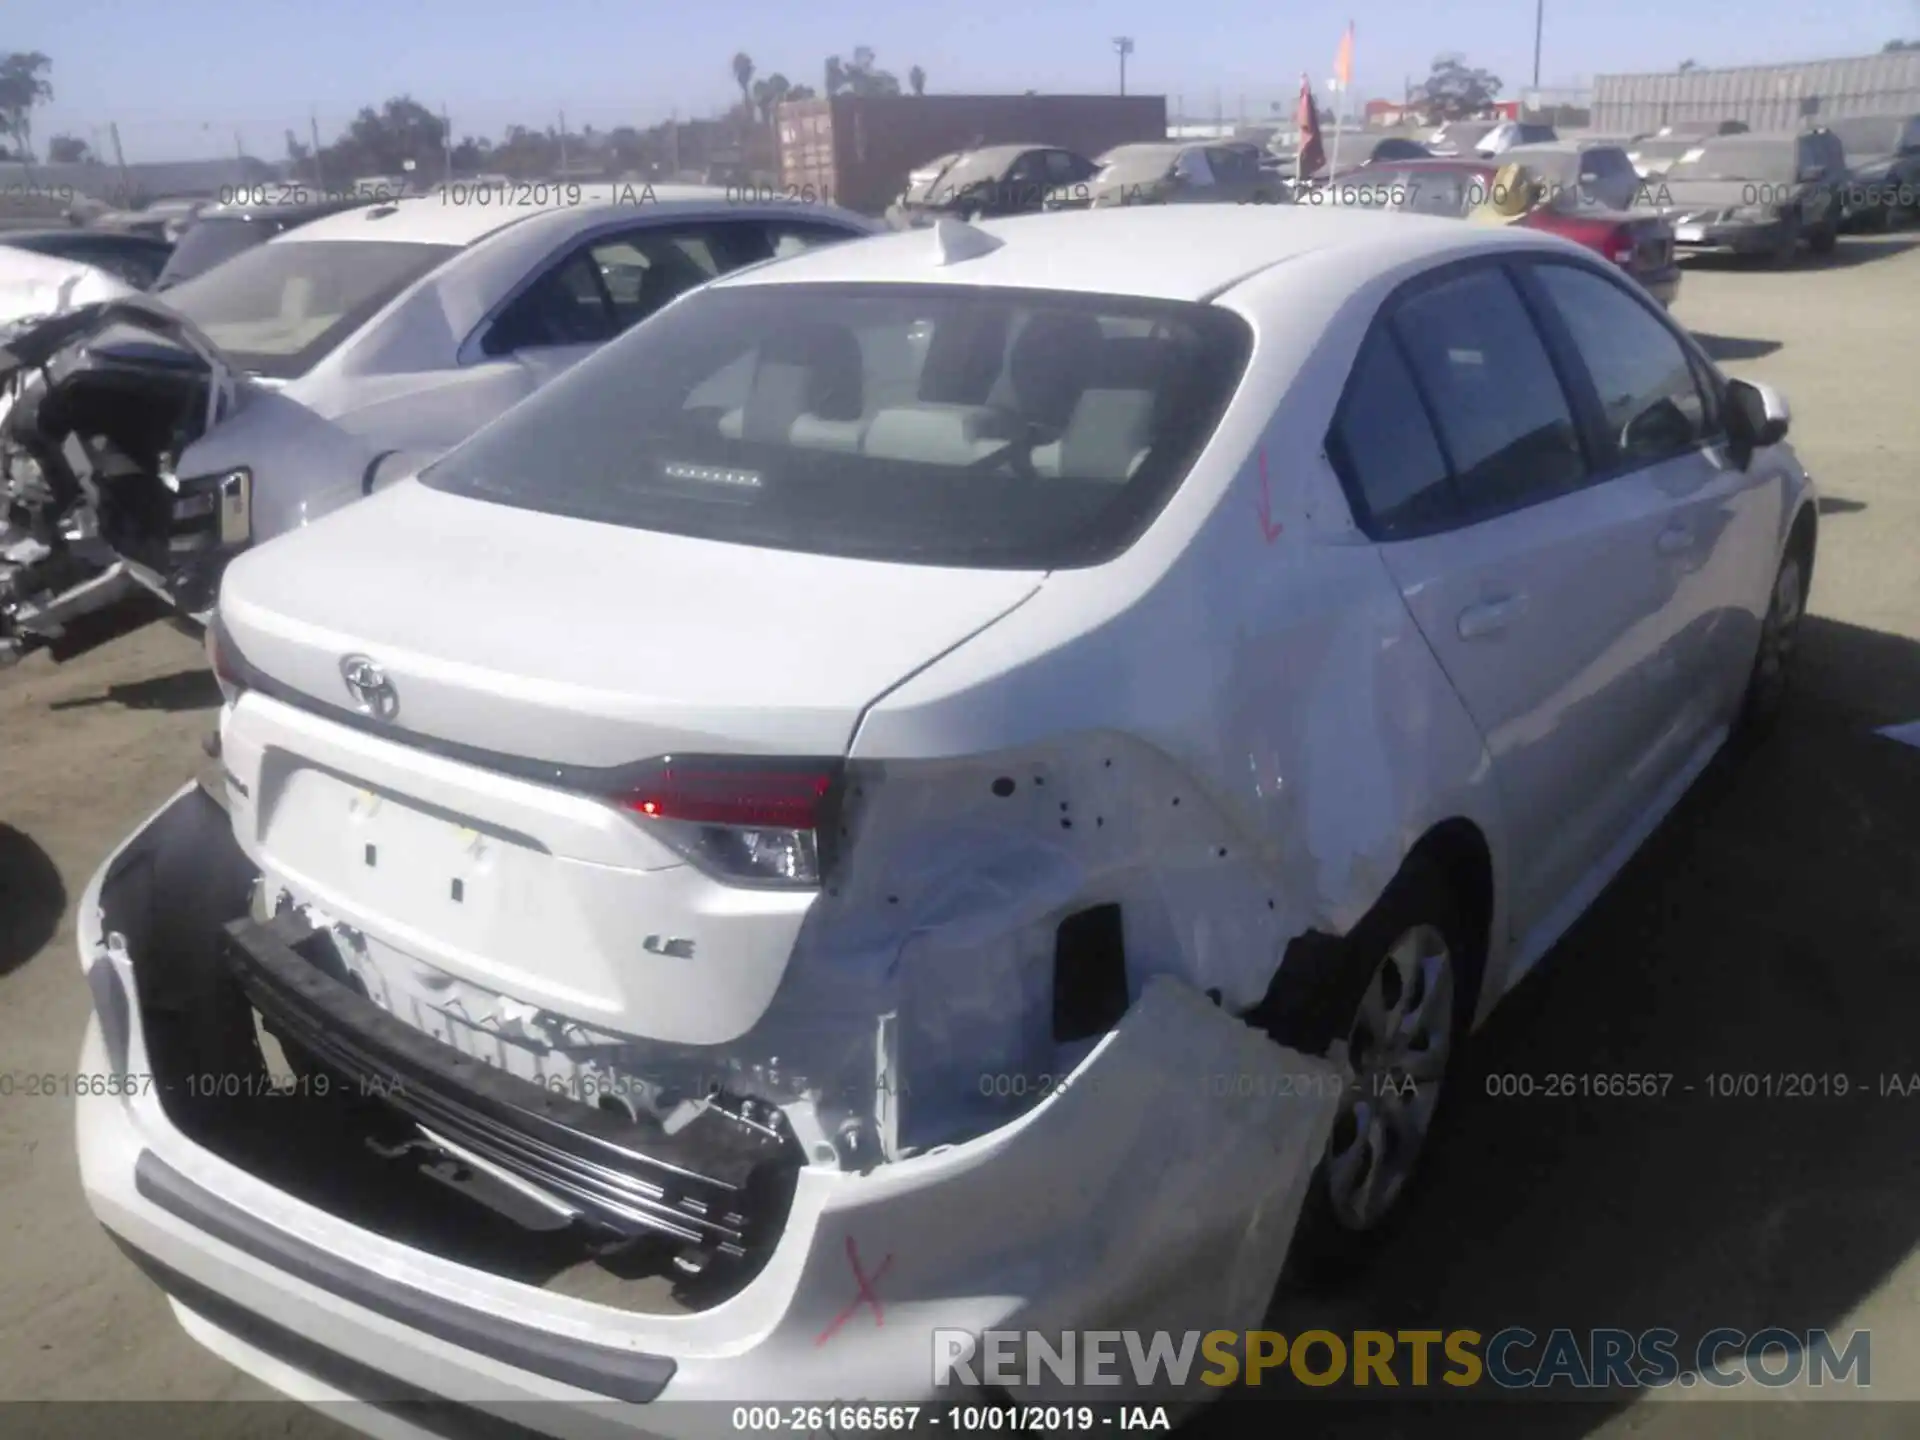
<point x="865" y="1294"/>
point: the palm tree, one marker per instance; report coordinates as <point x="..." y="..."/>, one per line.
<point x="23" y="85"/>
<point x="743" y="77"/>
<point x="768" y="93"/>
<point x="917" y="78"/>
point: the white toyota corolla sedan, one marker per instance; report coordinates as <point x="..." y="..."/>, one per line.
<point x="972" y="780"/>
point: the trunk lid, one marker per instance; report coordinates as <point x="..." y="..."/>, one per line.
<point x="530" y="637"/>
<point x="577" y="643"/>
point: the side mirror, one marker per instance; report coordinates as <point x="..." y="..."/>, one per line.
<point x="1757" y="416"/>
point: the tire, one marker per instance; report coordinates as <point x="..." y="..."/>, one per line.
<point x="1771" y="677"/>
<point x="1822" y="239"/>
<point x="1786" y="250"/>
<point x="1412" y="956"/>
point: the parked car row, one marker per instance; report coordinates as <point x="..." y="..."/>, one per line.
<point x="312" y="368"/>
<point x="822" y="791"/>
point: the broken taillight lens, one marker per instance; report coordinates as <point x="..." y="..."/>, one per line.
<point x="743" y="821"/>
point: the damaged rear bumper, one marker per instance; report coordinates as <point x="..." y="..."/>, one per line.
<point x="625" y="1174"/>
<point x="1156" y="1187"/>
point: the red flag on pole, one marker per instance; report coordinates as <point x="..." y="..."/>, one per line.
<point x="1312" y="156"/>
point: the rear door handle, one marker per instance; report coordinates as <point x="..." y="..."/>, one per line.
<point x="1675" y="540"/>
<point x="1490" y="617"/>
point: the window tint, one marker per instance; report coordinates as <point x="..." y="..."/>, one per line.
<point x="1230" y="164"/>
<point x="1193" y="168"/>
<point x="1652" y="404"/>
<point x="1384" y="447"/>
<point x="565" y="306"/>
<point x="1062" y="168"/>
<point x="614" y="283"/>
<point x="1503" y="417"/>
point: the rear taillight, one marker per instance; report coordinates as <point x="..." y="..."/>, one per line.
<point x="745" y="821"/>
<point x="1613" y="240"/>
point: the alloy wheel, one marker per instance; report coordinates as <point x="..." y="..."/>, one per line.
<point x="1399" y="1050"/>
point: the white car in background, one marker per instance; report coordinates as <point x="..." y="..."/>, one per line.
<point x="981" y="775"/>
<point x="300" y="374"/>
<point x="33" y="285"/>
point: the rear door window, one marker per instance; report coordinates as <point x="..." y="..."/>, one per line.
<point x="1384" y="448"/>
<point x="617" y="281"/>
<point x="1505" y="422"/>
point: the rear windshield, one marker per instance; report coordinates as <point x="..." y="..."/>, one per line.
<point x="277" y="309"/>
<point x="1736" y="160"/>
<point x="935" y="425"/>
<point x="211" y="240"/>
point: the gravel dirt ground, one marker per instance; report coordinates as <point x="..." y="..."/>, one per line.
<point x="1769" y="928"/>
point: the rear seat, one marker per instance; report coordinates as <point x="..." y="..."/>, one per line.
<point x="1110" y="432"/>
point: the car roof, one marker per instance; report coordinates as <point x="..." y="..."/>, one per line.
<point x="1562" y="147"/>
<point x="461" y="218"/>
<point x="281" y="210"/>
<point x="68" y="232"/>
<point x="1008" y="153"/>
<point x="1192" y="253"/>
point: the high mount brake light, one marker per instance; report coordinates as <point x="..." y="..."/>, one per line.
<point x="744" y="821"/>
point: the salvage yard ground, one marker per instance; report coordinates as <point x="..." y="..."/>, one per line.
<point x="1769" y="928"/>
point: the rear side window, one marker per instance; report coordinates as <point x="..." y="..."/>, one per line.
<point x="1650" y="400"/>
<point x="1504" y="420"/>
<point x="938" y="425"/>
<point x="1384" y="448"/>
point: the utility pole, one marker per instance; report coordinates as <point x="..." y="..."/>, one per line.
<point x="446" y="138"/>
<point x="120" y="159"/>
<point x="313" y="130"/>
<point x="1539" y="24"/>
<point x="1123" y="47"/>
<point x="673" y="144"/>
<point x="563" y="142"/>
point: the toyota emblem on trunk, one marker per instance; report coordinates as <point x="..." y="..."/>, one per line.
<point x="372" y="691"/>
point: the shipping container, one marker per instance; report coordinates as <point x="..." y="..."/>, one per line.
<point x="856" y="150"/>
<point x="1765" y="97"/>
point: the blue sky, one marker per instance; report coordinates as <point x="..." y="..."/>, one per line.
<point x="181" y="76"/>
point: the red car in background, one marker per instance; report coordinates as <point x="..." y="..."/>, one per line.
<point x="1641" y="244"/>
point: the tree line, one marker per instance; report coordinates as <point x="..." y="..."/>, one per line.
<point x="380" y="140"/>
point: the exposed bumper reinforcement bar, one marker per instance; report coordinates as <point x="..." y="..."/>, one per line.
<point x="715" y="1185"/>
<point x="618" y="1373"/>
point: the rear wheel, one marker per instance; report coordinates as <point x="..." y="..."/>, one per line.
<point x="1823" y="238"/>
<point x="1786" y="249"/>
<point x="1412" y="969"/>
